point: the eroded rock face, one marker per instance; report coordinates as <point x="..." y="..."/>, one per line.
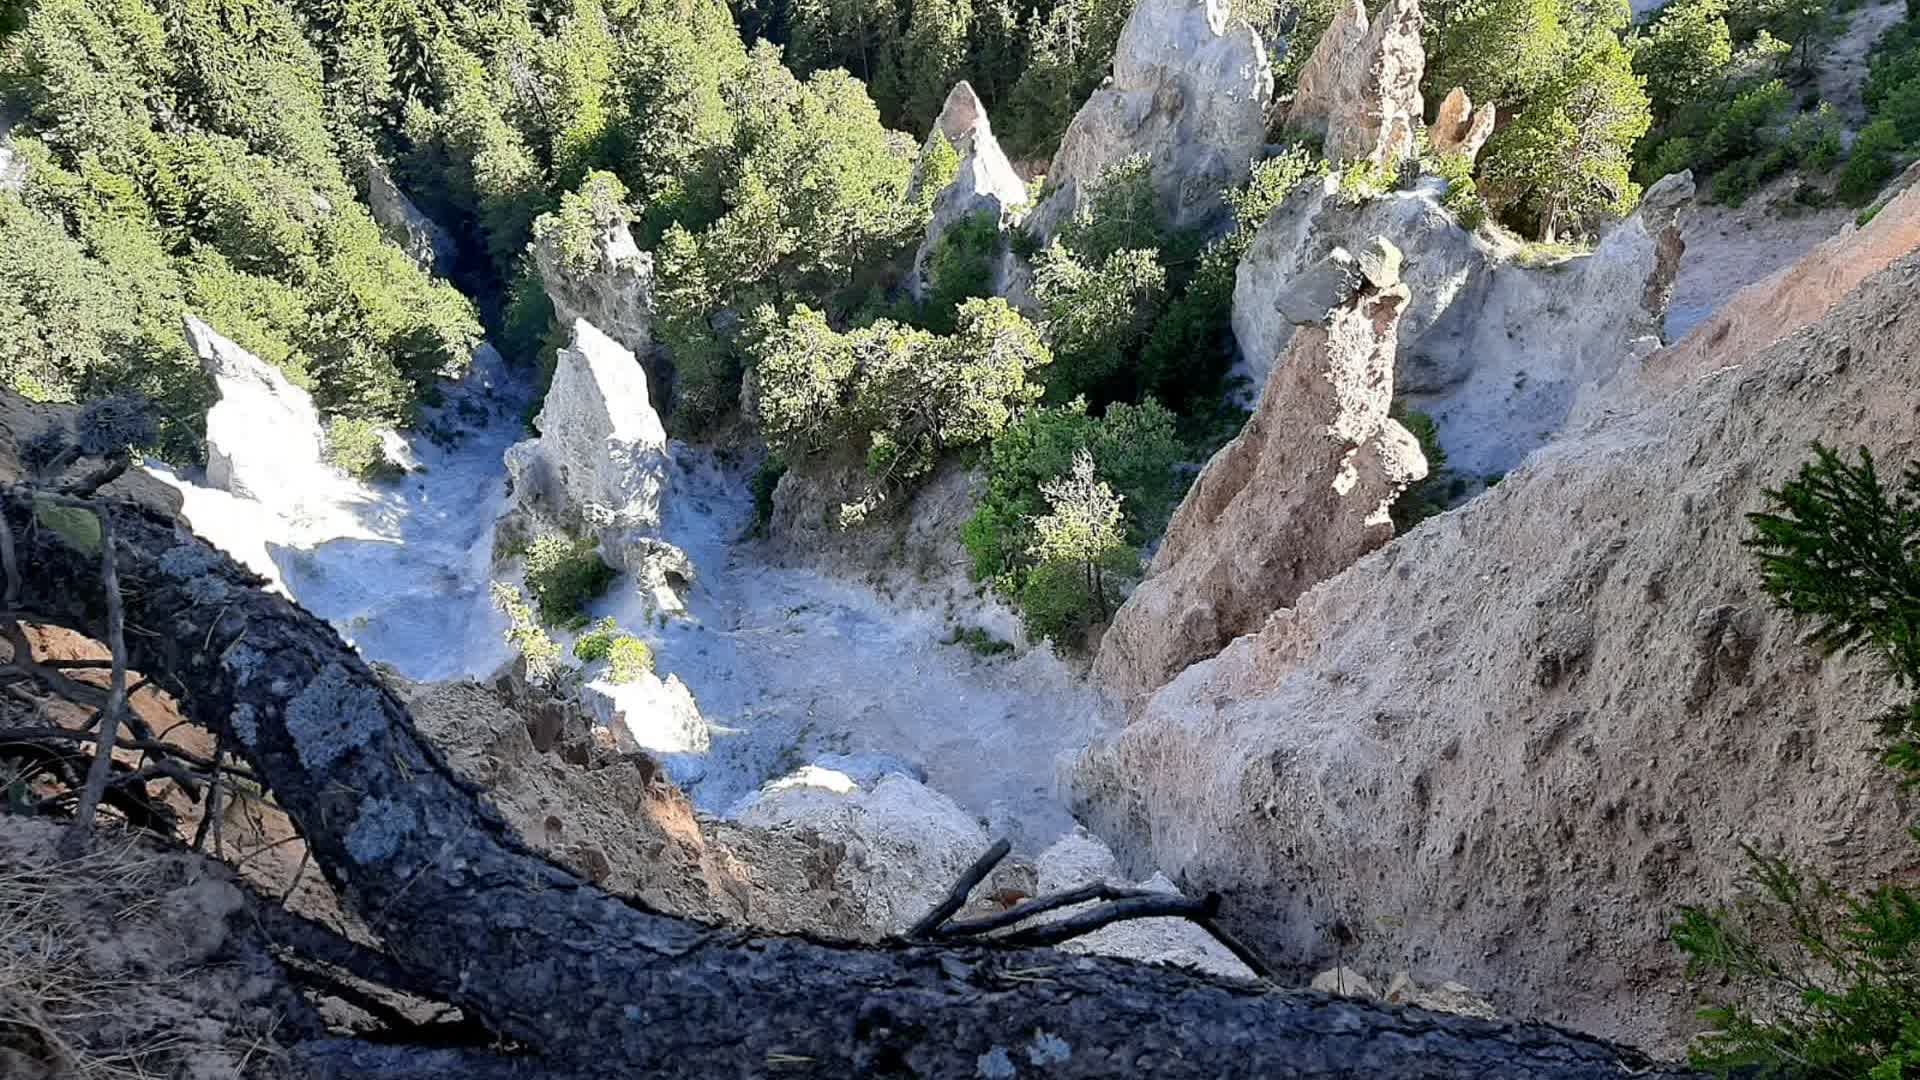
<point x="600" y="463"/>
<point x="1459" y="128"/>
<point x="1360" y="89"/>
<point x="1506" y="748"/>
<point x="986" y="182"/>
<point x="424" y="241"/>
<point x="264" y="440"/>
<point x="1190" y="89"/>
<point x="1495" y="351"/>
<point x="616" y="295"/>
<point x="1300" y="494"/>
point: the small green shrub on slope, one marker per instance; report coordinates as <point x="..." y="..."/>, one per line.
<point x="564" y="575"/>
<point x="1809" y="979"/>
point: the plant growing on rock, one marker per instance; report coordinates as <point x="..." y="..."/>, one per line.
<point x="564" y="575"/>
<point x="627" y="656"/>
<point x="1076" y="545"/>
<point x="1814" y="980"/>
<point x="538" y="651"/>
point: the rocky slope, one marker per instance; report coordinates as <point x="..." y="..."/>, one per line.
<point x="1506" y="747"/>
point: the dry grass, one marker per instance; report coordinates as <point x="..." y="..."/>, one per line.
<point x="80" y="996"/>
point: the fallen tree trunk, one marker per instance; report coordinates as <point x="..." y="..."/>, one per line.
<point x="585" y="984"/>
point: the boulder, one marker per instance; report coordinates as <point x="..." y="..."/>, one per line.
<point x="1360" y="88"/>
<point x="1189" y="90"/>
<point x="659" y="717"/>
<point x="264" y="439"/>
<point x="1510" y="745"/>
<point x="1459" y="128"/>
<point x="615" y="294"/>
<point x="1474" y="346"/>
<point x="1300" y="494"/>
<point x="424" y="241"/>
<point x="986" y="182"/>
<point x="1079" y="858"/>
<point x="903" y="844"/>
<point x="600" y="463"/>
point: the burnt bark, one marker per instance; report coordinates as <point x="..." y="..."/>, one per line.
<point x="579" y="981"/>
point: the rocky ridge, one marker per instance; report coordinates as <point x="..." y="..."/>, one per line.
<point x="1475" y="348"/>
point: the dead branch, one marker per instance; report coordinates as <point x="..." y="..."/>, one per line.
<point x="956" y="897"/>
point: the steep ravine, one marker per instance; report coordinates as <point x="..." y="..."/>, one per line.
<point x="790" y="667"/>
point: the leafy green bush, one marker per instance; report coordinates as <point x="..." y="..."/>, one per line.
<point x="897" y="395"/>
<point x="1097" y="317"/>
<point x="960" y="269"/>
<point x="1134" y="448"/>
<point x="766" y="478"/>
<point x="575" y="227"/>
<point x="1809" y="979"/>
<point x="565" y="575"/>
<point x="1430" y="495"/>
<point x="1462" y="199"/>
<point x="1871" y="165"/>
<point x="354" y="447"/>
<point x="979" y="641"/>
<point x="627" y="656"/>
<point x="1077" y="544"/>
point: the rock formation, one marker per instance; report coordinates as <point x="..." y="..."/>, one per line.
<point x="1190" y="89"/>
<point x="1494" y="350"/>
<point x="1778" y="305"/>
<point x="986" y="182"/>
<point x="1508" y="746"/>
<point x="1079" y="858"/>
<point x="902" y="844"/>
<point x="1360" y="88"/>
<point x="1300" y="494"/>
<point x="600" y="463"/>
<point x="616" y="295"/>
<point x="657" y="716"/>
<point x="264" y="440"/>
<point x="1459" y="128"/>
<point x="424" y="241"/>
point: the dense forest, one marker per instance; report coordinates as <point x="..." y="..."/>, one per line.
<point x="212" y="156"/>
